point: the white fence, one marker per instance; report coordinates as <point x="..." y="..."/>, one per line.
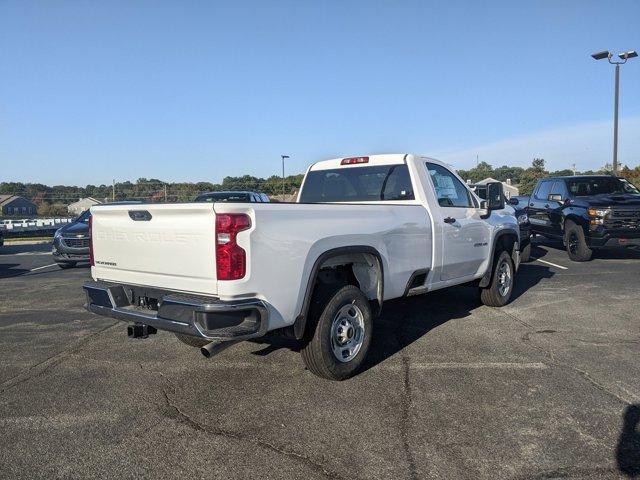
<point x="33" y="225"/>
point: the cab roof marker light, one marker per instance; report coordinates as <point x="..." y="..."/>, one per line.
<point x="354" y="160"/>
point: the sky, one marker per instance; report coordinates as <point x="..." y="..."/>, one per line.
<point x="188" y="90"/>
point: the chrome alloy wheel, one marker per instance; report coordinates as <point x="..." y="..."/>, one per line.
<point x="504" y="278"/>
<point x="347" y="332"/>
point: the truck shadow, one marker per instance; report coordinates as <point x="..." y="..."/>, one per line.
<point x="405" y="320"/>
<point x="628" y="449"/>
<point x="8" y="270"/>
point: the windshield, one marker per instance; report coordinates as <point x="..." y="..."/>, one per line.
<point x="234" y="197"/>
<point x="84" y="217"/>
<point x="584" y="187"/>
<point x="358" y="184"/>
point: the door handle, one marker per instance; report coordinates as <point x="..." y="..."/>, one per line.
<point x="449" y="220"/>
<point x="546" y="206"/>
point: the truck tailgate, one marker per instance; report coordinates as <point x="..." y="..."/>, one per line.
<point x="158" y="245"/>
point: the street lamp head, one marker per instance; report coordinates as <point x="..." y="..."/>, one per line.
<point x="601" y="55"/>
<point x="628" y="55"/>
<point x="284" y="156"/>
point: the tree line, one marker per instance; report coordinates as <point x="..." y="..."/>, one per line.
<point x="53" y="200"/>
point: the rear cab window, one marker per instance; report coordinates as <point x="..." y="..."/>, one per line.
<point x="372" y="183"/>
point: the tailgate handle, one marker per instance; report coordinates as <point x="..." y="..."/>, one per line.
<point x="139" y="215"/>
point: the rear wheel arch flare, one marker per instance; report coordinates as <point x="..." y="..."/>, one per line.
<point x="368" y="278"/>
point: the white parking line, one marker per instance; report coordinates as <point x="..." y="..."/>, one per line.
<point x="552" y="264"/>
<point x="45" y="266"/>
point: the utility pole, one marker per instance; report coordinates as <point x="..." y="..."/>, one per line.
<point x="623" y="59"/>
<point x="574" y="169"/>
<point x="165" y="193"/>
<point x="113" y="191"/>
<point x="615" y="121"/>
<point x="283" y="157"/>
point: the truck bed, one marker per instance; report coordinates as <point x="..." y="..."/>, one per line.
<point x="175" y="248"/>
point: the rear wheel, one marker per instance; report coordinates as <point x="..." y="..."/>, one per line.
<point x="499" y="291"/>
<point x="66" y="265"/>
<point x="576" y="243"/>
<point x="339" y="337"/>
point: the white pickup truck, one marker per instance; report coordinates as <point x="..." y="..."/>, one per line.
<point x="364" y="230"/>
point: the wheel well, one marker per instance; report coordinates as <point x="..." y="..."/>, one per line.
<point x="332" y="271"/>
<point x="576" y="220"/>
<point x="507" y="242"/>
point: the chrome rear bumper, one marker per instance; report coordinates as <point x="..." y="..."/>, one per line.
<point x="198" y="316"/>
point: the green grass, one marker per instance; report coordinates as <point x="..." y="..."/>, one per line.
<point x="22" y="239"/>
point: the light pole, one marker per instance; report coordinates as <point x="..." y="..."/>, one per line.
<point x="623" y="59"/>
<point x="283" y="157"/>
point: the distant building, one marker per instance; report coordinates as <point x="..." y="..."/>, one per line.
<point x="76" y="208"/>
<point x="16" y="205"/>
<point x="509" y="190"/>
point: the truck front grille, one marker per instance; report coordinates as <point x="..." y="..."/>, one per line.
<point x="623" y="219"/>
<point x="76" y="242"/>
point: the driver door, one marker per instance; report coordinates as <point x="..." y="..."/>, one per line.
<point x="465" y="236"/>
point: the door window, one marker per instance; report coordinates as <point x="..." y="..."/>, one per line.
<point x="450" y="191"/>
<point x="560" y="188"/>
<point x="542" y="193"/>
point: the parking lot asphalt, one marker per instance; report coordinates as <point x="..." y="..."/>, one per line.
<point x="547" y="387"/>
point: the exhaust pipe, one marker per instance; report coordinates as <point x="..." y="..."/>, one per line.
<point x="215" y="347"/>
<point x="140" y="330"/>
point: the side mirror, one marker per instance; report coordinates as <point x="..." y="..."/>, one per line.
<point x="513" y="201"/>
<point x="555" y="198"/>
<point x="495" y="196"/>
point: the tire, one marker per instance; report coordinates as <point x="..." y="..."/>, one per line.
<point x="576" y="243"/>
<point x="525" y="254"/>
<point x="499" y="291"/>
<point x="66" y="265"/>
<point x="344" y="328"/>
<point x="192" y="341"/>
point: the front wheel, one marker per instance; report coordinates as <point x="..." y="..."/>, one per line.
<point x="576" y="243"/>
<point x="339" y="338"/>
<point x="499" y="291"/>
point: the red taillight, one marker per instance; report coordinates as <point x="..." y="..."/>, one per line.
<point x="231" y="259"/>
<point x="91" y="259"/>
<point x="354" y="160"/>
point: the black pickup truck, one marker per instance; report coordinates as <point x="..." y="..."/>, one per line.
<point x="585" y="212"/>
